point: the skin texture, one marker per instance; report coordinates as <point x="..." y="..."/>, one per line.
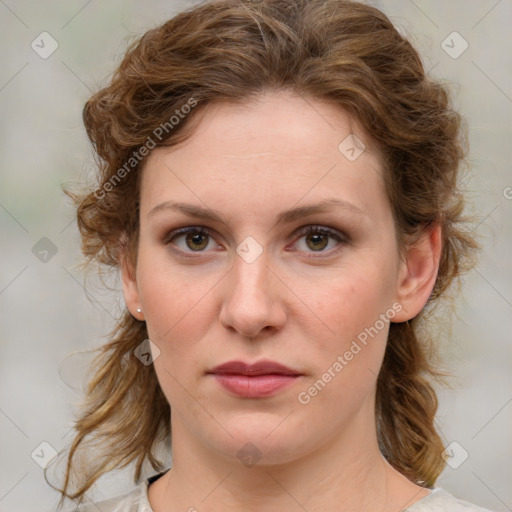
<point x="294" y="304"/>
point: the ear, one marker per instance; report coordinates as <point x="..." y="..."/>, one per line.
<point x="130" y="288"/>
<point x="418" y="273"/>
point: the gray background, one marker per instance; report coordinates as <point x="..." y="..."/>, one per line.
<point x="45" y="314"/>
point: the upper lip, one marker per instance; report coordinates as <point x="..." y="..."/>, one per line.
<point x="264" y="367"/>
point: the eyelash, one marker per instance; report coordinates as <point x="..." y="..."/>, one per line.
<point x="307" y="230"/>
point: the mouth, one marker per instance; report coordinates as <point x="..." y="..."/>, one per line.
<point x="258" y="380"/>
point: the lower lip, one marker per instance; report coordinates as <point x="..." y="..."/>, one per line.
<point x="256" y="386"/>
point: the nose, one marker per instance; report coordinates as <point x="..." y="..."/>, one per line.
<point x="253" y="300"/>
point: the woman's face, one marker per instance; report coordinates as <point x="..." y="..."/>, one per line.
<point x="253" y="285"/>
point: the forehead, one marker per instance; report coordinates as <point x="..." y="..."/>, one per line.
<point x="278" y="149"/>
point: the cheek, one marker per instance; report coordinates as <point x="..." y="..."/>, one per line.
<point x="176" y="308"/>
<point x="176" y="323"/>
<point x="349" y="301"/>
<point x="350" y="350"/>
<point x="166" y="292"/>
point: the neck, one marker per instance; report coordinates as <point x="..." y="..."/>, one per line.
<point x="356" y="479"/>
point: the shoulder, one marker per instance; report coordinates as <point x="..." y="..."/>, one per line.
<point x="133" y="501"/>
<point x="440" y="500"/>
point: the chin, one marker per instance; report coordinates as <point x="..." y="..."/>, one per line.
<point x="258" y="442"/>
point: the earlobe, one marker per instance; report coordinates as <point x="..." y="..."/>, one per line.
<point x="130" y="288"/>
<point x="418" y="273"/>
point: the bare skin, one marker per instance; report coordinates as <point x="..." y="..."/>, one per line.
<point x="302" y="302"/>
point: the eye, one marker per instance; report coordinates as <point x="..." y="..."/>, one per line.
<point x="197" y="239"/>
<point x="317" y="238"/>
<point x="191" y="239"/>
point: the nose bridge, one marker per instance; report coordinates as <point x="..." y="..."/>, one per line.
<point x="249" y="284"/>
<point x="250" y="272"/>
<point x="250" y="302"/>
<point x="250" y="275"/>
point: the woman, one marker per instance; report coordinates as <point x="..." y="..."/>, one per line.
<point x="278" y="188"/>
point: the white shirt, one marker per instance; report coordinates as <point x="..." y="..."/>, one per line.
<point x="137" y="500"/>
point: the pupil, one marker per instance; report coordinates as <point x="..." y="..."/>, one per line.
<point x="316" y="239"/>
<point x="196" y="240"/>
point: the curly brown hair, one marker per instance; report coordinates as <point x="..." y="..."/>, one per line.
<point x="340" y="51"/>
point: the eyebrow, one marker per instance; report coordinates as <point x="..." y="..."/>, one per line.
<point x="286" y="216"/>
